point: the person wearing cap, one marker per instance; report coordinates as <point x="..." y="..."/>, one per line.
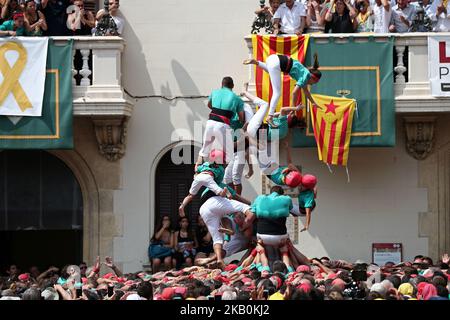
<point x="275" y="65"/>
<point x="224" y="105"/>
<point x="289" y="175"/>
<point x="14" y="27"/>
<point x="209" y="175"/>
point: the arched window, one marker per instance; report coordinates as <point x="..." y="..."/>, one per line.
<point x="172" y="184"/>
<point x="41" y="211"/>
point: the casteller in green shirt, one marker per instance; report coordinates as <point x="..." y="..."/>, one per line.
<point x="300" y="73"/>
<point x="225" y="99"/>
<point x="281" y="131"/>
<point x="217" y="170"/>
<point x="273" y="206"/>
<point x="9" y="26"/>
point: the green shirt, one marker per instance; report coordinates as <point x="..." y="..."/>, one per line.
<point x="278" y="176"/>
<point x="9" y="26"/>
<point x="300" y="73"/>
<point x="273" y="206"/>
<point x="280" y="132"/>
<point x="222" y="185"/>
<point x="306" y="199"/>
<point x="216" y="169"/>
<point x="226" y="99"/>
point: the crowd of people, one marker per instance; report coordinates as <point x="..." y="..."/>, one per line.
<point x="53" y="18"/>
<point x="319" y="279"/>
<point x="351" y="16"/>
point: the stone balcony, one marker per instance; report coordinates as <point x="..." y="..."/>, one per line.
<point x="97" y="90"/>
<point x="412" y="85"/>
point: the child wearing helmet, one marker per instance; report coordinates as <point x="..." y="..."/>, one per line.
<point x="288" y="175"/>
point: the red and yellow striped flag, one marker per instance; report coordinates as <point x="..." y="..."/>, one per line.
<point x="264" y="46"/>
<point x="332" y="122"/>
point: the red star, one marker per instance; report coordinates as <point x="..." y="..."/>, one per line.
<point x="331" y="107"/>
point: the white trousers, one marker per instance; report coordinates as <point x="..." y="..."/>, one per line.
<point x="204" y="180"/>
<point x="272" y="66"/>
<point x="219" y="135"/>
<point x="272" y="240"/>
<point x="214" y="209"/>
<point x="235" y="169"/>
<point x="258" y="118"/>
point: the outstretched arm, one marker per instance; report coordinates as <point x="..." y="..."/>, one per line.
<point x="241" y="199"/>
<point x="185" y="202"/>
<point x="309" y="96"/>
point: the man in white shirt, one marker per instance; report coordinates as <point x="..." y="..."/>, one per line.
<point x="439" y="13"/>
<point x="382" y="13"/>
<point x="402" y="16"/>
<point x="290" y="18"/>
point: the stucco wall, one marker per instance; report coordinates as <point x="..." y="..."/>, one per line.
<point x="179" y="47"/>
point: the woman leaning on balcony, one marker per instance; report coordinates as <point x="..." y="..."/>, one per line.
<point x="315" y="17"/>
<point x="341" y="20"/>
<point x="35" y="22"/>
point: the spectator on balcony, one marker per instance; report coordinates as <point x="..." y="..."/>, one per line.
<point x="81" y="22"/>
<point x="270" y="10"/>
<point x="439" y="12"/>
<point x="364" y="19"/>
<point x="315" y="17"/>
<point x="114" y="12"/>
<point x="382" y="12"/>
<point x="55" y="15"/>
<point x="341" y="21"/>
<point x="34" y="19"/>
<point x="290" y="18"/>
<point x="8" y="8"/>
<point x="14" y="27"/>
<point x="402" y="16"/>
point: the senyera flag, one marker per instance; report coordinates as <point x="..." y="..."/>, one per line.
<point x="292" y="46"/>
<point x="332" y="120"/>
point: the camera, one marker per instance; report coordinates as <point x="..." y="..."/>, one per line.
<point x="360" y="6"/>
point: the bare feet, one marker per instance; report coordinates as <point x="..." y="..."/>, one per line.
<point x="250" y="61"/>
<point x="270" y="122"/>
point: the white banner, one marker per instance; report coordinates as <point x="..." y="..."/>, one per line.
<point x="439" y="65"/>
<point x="22" y="75"/>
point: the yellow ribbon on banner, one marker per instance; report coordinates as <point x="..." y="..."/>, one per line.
<point x="11" y="76"/>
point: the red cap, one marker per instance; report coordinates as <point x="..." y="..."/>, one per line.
<point x="306" y="287"/>
<point x="84" y="280"/>
<point x="309" y="181"/>
<point x="293" y="179"/>
<point x="109" y="275"/>
<point x="18" y="15"/>
<point x="181" y="290"/>
<point x="303" y="268"/>
<point x="168" y="293"/>
<point x="24" y="277"/>
<point x="217" y="156"/>
<point x="246" y="281"/>
<point x="230" y="267"/>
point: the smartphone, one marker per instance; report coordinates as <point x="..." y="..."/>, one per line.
<point x="210" y="298"/>
<point x="110" y="291"/>
<point x="218" y="297"/>
<point x="266" y="294"/>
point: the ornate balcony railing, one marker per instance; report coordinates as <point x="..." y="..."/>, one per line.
<point x="411" y="82"/>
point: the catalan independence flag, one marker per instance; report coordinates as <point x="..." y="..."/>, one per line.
<point x="332" y="120"/>
<point x="264" y="46"/>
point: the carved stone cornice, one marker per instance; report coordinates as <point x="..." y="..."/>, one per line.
<point x="111" y="136"/>
<point x="419" y="132"/>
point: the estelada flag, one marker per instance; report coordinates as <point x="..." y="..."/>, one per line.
<point x="332" y="120"/>
<point x="292" y="46"/>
